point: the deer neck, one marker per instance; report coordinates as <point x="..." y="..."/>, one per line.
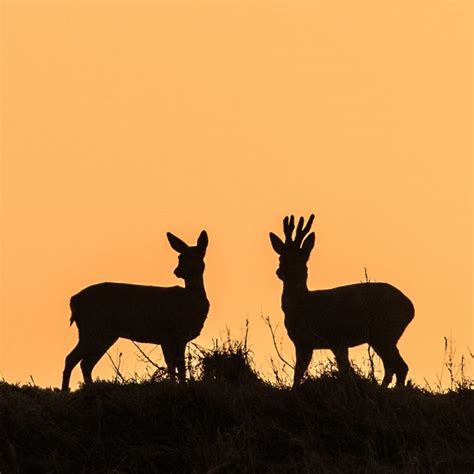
<point x="195" y="285"/>
<point x="293" y="296"/>
<point x="294" y="289"/>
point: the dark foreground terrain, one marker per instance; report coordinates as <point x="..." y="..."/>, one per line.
<point x="225" y="424"/>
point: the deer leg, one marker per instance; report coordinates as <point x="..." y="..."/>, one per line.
<point x="342" y="360"/>
<point x="71" y="361"/>
<point x="169" y="353"/>
<point x="394" y="364"/>
<point x="389" y="363"/>
<point x="180" y="362"/>
<point x="303" y="358"/>
<point x="93" y="355"/>
<point x="401" y="368"/>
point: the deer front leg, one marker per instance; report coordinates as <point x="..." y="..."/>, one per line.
<point x="342" y="360"/>
<point x="303" y="357"/>
<point x="169" y="353"/>
<point x="180" y="361"/>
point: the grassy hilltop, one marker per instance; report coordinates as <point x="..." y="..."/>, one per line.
<point x="228" y="420"/>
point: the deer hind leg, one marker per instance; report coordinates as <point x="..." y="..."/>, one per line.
<point x="92" y="355"/>
<point x="393" y="364"/>
<point x="387" y="360"/>
<point x="72" y="360"/>
<point x="401" y="369"/>
<point x="303" y="358"/>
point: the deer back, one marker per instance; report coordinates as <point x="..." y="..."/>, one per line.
<point x="348" y="315"/>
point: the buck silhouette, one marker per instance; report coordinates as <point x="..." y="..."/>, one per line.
<point x="337" y="318"/>
<point x="169" y="316"/>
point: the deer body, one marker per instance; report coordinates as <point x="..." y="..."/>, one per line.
<point x="345" y="316"/>
<point x="338" y="318"/>
<point x="147" y="314"/>
<point x="169" y="316"/>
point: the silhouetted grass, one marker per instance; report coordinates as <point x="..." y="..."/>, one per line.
<point x="227" y="419"/>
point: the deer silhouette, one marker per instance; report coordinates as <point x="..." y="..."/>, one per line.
<point x="170" y="316"/>
<point x="337" y="318"/>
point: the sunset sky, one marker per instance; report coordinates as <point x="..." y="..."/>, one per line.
<point x="124" y="120"/>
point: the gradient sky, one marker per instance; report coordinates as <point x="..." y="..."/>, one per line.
<point x="124" y="120"/>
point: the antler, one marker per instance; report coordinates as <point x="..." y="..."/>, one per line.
<point x="288" y="228"/>
<point x="301" y="231"/>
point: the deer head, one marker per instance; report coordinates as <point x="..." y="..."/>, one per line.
<point x="294" y="253"/>
<point x="191" y="259"/>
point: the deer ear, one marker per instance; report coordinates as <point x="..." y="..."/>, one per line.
<point x="202" y="242"/>
<point x="277" y="243"/>
<point x="176" y="243"/>
<point x="308" y="244"/>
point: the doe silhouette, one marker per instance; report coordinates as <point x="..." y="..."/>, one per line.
<point x="170" y="316"/>
<point x="337" y="318"/>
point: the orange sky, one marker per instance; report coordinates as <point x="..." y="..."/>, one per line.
<point x="123" y="120"/>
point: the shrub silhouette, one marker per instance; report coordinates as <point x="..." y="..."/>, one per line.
<point x="229" y="361"/>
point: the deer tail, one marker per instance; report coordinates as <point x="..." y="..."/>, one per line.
<point x="72" y="306"/>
